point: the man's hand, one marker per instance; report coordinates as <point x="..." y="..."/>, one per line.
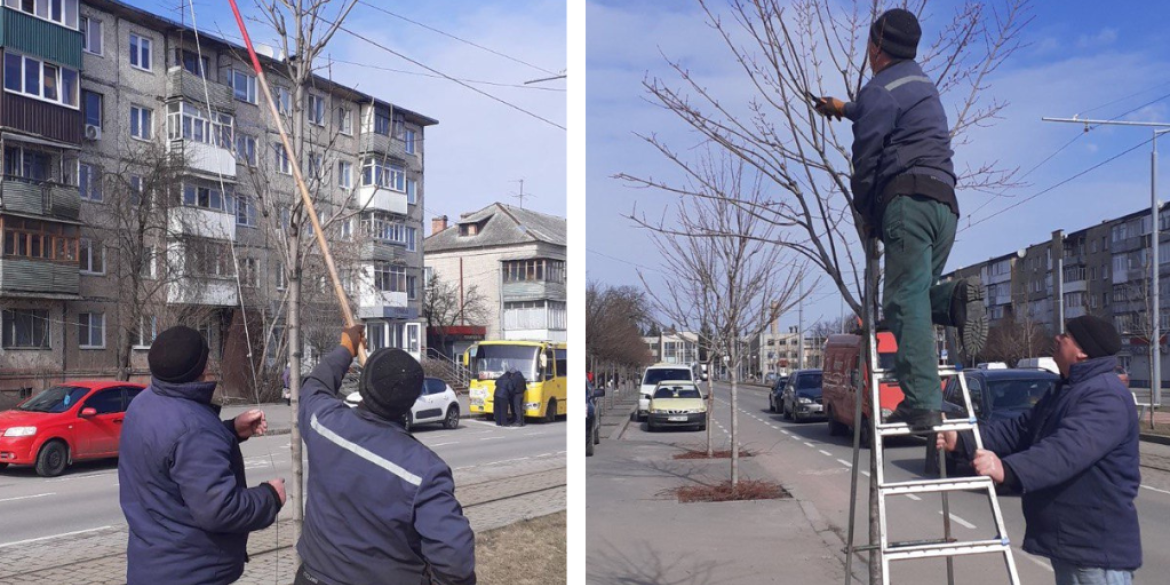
<point x="250" y="424"/>
<point x="279" y="485"/>
<point x="830" y="107"/>
<point x="353" y="337"/>
<point x="946" y="441"/>
<point x="987" y="463"/>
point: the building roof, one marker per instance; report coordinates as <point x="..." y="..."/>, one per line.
<point x="500" y="225"/>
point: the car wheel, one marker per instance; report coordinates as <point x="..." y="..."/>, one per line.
<point x="864" y="432"/>
<point x="771" y="403"/>
<point x="550" y="414"/>
<point x="836" y="429"/>
<point x="452" y="419"/>
<point x="53" y="459"/>
<point x="588" y="442"/>
<point x="597" y="436"/>
<point x="406" y="422"/>
<point x="787" y="413"/>
<point x="3" y="465"/>
<point x="650" y="426"/>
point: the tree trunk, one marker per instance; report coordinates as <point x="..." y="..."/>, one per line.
<point x="294" y="365"/>
<point x="710" y="410"/>
<point x="734" y="420"/>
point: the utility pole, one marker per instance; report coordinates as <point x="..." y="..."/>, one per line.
<point x="1160" y="128"/>
<point x="800" y="327"/>
<point x="1057" y="248"/>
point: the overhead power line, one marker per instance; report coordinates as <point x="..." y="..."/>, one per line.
<point x="421" y="74"/>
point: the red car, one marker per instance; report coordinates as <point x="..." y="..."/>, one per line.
<point x="71" y="422"/>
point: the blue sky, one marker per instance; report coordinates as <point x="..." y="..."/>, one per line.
<point x="1097" y="59"/>
<point x="480" y="148"/>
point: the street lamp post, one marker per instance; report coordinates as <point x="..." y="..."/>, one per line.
<point x="1160" y="128"/>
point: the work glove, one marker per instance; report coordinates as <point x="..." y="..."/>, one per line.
<point x="353" y="337"/>
<point x="830" y="107"/>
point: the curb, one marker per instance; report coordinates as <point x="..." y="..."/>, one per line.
<point x="622" y="426"/>
<point x="1159" y="439"/>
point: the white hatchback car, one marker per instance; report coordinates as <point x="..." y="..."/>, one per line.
<point x="437" y="404"/>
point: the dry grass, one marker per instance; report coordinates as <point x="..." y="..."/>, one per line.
<point x="702" y="454"/>
<point x="531" y="552"/>
<point x="747" y="489"/>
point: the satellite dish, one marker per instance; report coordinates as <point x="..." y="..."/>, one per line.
<point x="1021" y="252"/>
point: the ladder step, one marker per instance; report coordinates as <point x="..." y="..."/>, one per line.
<point x="901" y="429"/>
<point x="943" y="371"/>
<point x="936" y="485"/>
<point x="948" y="549"/>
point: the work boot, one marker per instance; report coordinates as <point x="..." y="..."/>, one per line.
<point x="918" y="419"/>
<point x="969" y="316"/>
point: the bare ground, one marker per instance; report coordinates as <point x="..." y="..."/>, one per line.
<point x="530" y="552"/>
<point x="702" y="454"/>
<point x="746" y="489"/>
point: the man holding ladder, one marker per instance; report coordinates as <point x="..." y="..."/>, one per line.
<point x="904" y="193"/>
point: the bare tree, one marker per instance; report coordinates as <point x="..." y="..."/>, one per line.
<point x="612" y="333"/>
<point x="729" y="279"/>
<point x="445" y="305"/>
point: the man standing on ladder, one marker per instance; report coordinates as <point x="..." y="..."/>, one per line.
<point x="904" y="192"/>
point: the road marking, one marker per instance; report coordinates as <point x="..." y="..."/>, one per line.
<point x="31" y="540"/>
<point x="50" y="494"/>
<point x="960" y="521"/>
<point x="492" y="438"/>
<point x="848" y="464"/>
<point x="814" y="446"/>
<point x="72" y="477"/>
<point x="788" y="433"/>
<point x="865" y="473"/>
<point x="1143" y="485"/>
<point x="457" y="442"/>
<point x="918" y="499"/>
<point x="827" y="454"/>
<point x="1041" y="562"/>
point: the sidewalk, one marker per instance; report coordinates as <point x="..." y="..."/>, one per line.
<point x="490" y="498"/>
<point x="640" y="534"/>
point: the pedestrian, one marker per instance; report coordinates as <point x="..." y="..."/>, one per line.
<point x="519" y="389"/>
<point x="381" y="506"/>
<point x="1075" y="457"/>
<point x="286" y="392"/>
<point x="503" y="397"/>
<point x="181" y="476"/>
<point x="903" y="188"/>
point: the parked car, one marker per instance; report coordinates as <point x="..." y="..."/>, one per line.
<point x="775" y="392"/>
<point x="995" y="395"/>
<point x="677" y="403"/>
<point x="592" y="420"/>
<point x="64" y="424"/>
<point x="1040" y="363"/>
<point x="844" y="378"/>
<point x="650" y="379"/>
<point x="436" y="404"/>
<point x="801" y="398"/>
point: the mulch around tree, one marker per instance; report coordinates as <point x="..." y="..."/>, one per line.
<point x="702" y="454"/>
<point x="745" y="490"/>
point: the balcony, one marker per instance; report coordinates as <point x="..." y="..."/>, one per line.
<point x="380" y="198"/>
<point x="206" y="158"/>
<point x="40" y="198"/>
<point x="533" y="291"/>
<point x="373" y="304"/>
<point x="202" y="223"/>
<point x="185" y="85"/>
<point x="209" y="292"/>
<point x="379" y="251"/>
<point x="538" y="335"/>
<point x="1075" y="286"/>
<point x="380" y="143"/>
<point x="38" y="278"/>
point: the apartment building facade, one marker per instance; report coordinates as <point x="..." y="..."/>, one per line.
<point x="515" y="259"/>
<point x="145" y="185"/>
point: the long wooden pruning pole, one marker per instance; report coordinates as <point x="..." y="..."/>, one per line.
<point x="346" y="312"/>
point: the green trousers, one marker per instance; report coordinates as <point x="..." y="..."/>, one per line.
<point x="918" y="233"/>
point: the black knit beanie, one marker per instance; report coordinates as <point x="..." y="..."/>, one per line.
<point x="178" y="355"/>
<point x="391" y="381"/>
<point x="896" y="32"/>
<point x="1095" y="335"/>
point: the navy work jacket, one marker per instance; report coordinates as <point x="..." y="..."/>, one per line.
<point x="381" y="506"/>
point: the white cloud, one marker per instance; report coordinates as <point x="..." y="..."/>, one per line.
<point x="1104" y="37"/>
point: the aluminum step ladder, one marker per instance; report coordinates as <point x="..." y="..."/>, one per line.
<point x="881" y="489"/>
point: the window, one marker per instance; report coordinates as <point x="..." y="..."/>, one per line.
<point x="135" y="189"/>
<point x="316" y="106"/>
<point x="381" y="122"/>
<point x="89" y="178"/>
<point x="45" y="81"/>
<point x="412" y="287"/>
<point x="534" y="315"/>
<point x="344" y="174"/>
<point x="249" y="273"/>
<point x="63" y="12"/>
<point x="399" y="125"/>
<point x="380" y="173"/>
<point x="91" y="35"/>
<point x="411" y="192"/>
<point x="411" y="238"/>
<point x="149" y="262"/>
<point x="26" y="329"/>
<point x="106" y="401"/>
<point x="190" y="122"/>
<point x="207" y="259"/>
<point x="542" y="270"/>
<point x="205" y="197"/>
<point x="281" y="157"/>
<point x="91" y="330"/>
<point x="146" y="331"/>
<point x="191" y="61"/>
<point x="383" y="226"/>
<point x="389" y="278"/>
<point x="91" y="257"/>
<point x="283" y="100"/>
<point x="245" y="211"/>
<point x="408" y="141"/>
<point x="281" y="278"/>
<point x="29" y="238"/>
<point x="141" y="122"/>
<point x="243" y="86"/>
<point x="345" y="121"/>
<point x="91" y="103"/>
<point x="314" y="164"/>
<point x="140" y="52"/>
<point x="246" y="149"/>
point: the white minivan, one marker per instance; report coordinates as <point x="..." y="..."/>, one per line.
<point x="655" y="374"/>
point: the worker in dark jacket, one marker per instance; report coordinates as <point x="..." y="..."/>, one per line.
<point x="1075" y="457"/>
<point x="519" y="387"/>
<point x="904" y="192"/>
<point x="381" y="505"/>
<point x="502" y="398"/>
<point x="181" y="474"/>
